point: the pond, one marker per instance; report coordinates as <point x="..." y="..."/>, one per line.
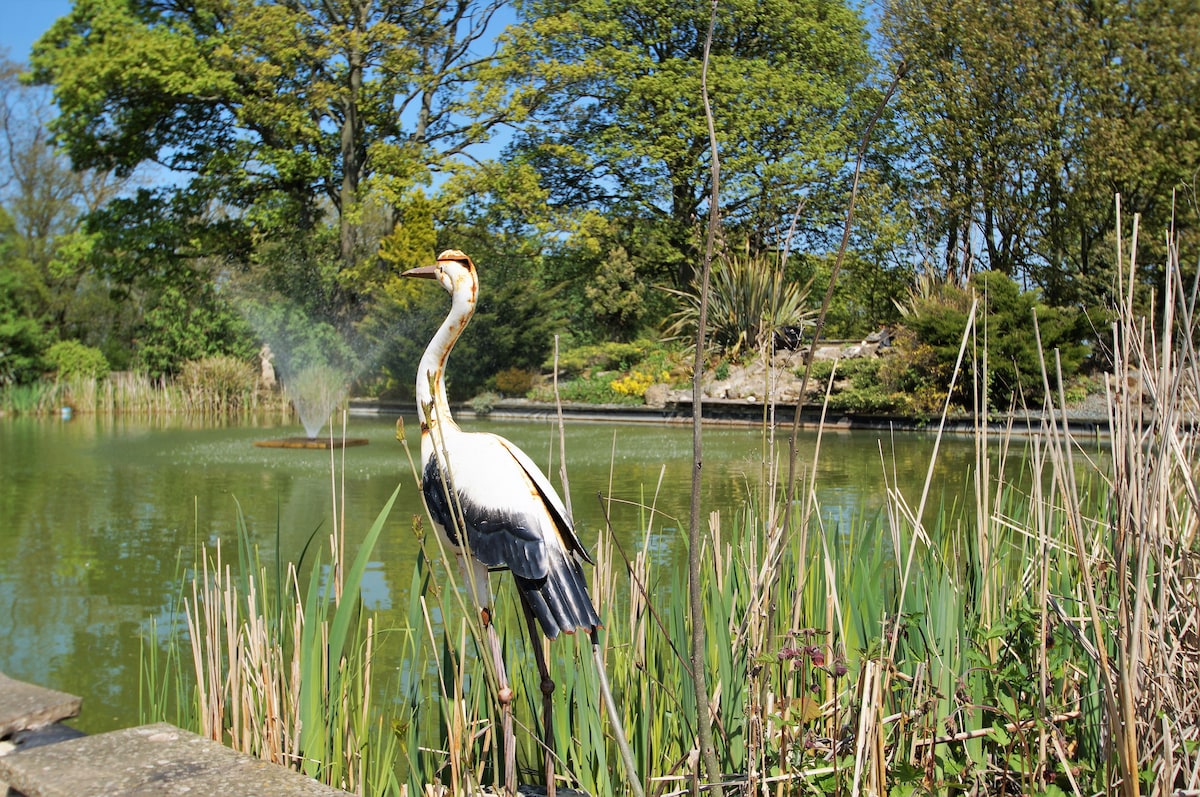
<point x="99" y="517"/>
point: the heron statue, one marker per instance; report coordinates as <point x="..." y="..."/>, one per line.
<point x="496" y="510"/>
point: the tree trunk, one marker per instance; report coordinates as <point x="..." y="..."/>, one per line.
<point x="351" y="138"/>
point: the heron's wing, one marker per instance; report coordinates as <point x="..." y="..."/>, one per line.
<point x="504" y="533"/>
<point x="508" y="518"/>
<point x="558" y="511"/>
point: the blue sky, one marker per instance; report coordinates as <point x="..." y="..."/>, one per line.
<point x="23" y="21"/>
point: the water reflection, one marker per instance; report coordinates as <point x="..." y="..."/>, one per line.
<point x="102" y="517"/>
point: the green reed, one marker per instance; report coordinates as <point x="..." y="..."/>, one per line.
<point x="984" y="646"/>
<point x="276" y="669"/>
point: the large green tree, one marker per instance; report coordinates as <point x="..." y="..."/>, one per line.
<point x="268" y="115"/>
<point x="616" y="121"/>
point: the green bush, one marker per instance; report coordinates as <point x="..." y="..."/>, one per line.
<point x="1005" y="324"/>
<point x="912" y="365"/>
<point x="616" y="294"/>
<point x="602" y="357"/>
<point x="872" y="398"/>
<point x="514" y="381"/>
<point x="594" y="389"/>
<point x="484" y="403"/>
<point x="22" y="338"/>
<point x="183" y="326"/>
<point x="70" y="358"/>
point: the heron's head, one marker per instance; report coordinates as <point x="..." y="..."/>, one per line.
<point x="454" y="270"/>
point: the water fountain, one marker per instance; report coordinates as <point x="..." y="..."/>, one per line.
<point x="315" y="391"/>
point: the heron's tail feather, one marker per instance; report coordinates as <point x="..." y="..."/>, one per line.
<point x="560" y="601"/>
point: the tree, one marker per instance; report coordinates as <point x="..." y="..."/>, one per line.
<point x="267" y="114"/>
<point x="1139" y="92"/>
<point x="1026" y="119"/>
<point x="985" y="126"/>
<point x="182" y="326"/>
<point x="22" y="335"/>
<point x="614" y="120"/>
<point x="46" y="200"/>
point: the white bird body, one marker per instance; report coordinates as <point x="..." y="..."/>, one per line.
<point x="485" y="484"/>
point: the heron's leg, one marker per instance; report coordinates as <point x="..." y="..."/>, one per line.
<point x="539" y="652"/>
<point x="505" y="695"/>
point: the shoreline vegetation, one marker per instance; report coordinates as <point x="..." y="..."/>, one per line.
<point x="217" y="386"/>
<point x="1039" y="639"/>
<point x="124" y="393"/>
<point x="236" y="391"/>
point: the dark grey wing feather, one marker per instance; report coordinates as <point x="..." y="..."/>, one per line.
<point x="498" y="538"/>
<point x="550" y="581"/>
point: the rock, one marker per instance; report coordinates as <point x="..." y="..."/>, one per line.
<point x="150" y="760"/>
<point x="27" y="706"/>
<point x="828" y="352"/>
<point x="789" y="360"/>
<point x="657" y="395"/>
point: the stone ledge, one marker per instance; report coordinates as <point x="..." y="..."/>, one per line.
<point x="25" y="707"/>
<point x="148" y="760"/>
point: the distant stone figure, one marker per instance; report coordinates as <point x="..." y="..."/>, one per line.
<point x="268" y="370"/>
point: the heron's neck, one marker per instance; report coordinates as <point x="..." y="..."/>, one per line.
<point x="432" y="407"/>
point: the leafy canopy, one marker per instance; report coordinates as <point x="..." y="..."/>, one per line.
<point x="616" y="120"/>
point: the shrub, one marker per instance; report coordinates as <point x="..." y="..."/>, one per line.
<point x="70" y="358"/>
<point x="20" y="340"/>
<point x="184" y="326"/>
<point x="912" y="365"/>
<point x="602" y="356"/>
<point x="633" y="384"/>
<point x="1004" y="321"/>
<point x="595" y="389"/>
<point x="865" y="399"/>
<point x="484" y="403"/>
<point x="616" y="294"/>
<point x="514" y="381"/>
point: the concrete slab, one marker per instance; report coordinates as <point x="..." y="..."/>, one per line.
<point x="159" y="760"/>
<point x="25" y="706"/>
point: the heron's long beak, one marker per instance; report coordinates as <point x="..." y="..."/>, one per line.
<point x="427" y="272"/>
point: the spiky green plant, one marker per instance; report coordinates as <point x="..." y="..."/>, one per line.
<point x="749" y="300"/>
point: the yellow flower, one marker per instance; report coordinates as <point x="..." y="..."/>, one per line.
<point x="633" y="384"/>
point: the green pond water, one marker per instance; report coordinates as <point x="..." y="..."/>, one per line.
<point x="99" y="517"/>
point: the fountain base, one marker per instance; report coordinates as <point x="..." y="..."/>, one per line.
<point x="312" y="442"/>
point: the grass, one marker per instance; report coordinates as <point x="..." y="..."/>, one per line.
<point x="216" y="386"/>
<point x="1038" y="639"/>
